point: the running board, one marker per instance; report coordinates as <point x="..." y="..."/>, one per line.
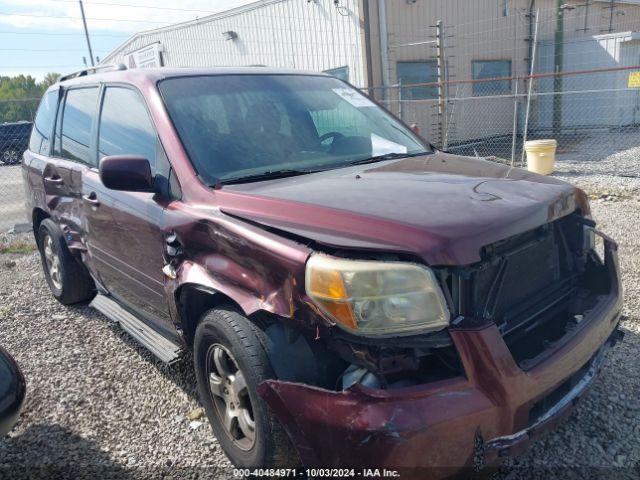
<point x="159" y="345"/>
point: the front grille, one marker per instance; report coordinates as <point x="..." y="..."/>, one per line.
<point x="530" y="285"/>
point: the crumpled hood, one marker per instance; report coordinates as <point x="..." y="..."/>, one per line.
<point x="441" y="207"/>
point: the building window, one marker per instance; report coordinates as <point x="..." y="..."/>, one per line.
<point x="418" y="72"/>
<point x="486" y="69"/>
<point x="342" y="73"/>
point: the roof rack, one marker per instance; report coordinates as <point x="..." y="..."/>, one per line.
<point x="86" y="71"/>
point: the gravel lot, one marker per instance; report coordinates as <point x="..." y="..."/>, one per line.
<point x="100" y="406"/>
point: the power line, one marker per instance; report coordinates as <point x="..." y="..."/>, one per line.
<point x="17" y="67"/>
<point x="60" y="50"/>
<point x="63" y="17"/>
<point x="120" y="35"/>
<point x="129" y="5"/>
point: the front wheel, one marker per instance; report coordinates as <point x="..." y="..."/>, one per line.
<point x="230" y="362"/>
<point x="68" y="280"/>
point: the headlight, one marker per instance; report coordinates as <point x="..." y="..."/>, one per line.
<point x="377" y="298"/>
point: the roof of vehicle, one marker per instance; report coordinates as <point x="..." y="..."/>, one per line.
<point x="154" y="74"/>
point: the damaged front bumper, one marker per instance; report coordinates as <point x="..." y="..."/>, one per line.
<point x="439" y="428"/>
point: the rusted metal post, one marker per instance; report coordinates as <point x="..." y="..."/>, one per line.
<point x="400" y="99"/>
<point x="530" y="86"/>
<point x="558" y="64"/>
<point x="514" y="139"/>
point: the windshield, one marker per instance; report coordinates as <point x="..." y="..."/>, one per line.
<point x="237" y="127"/>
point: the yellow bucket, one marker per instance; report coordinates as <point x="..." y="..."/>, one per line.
<point x="541" y="156"/>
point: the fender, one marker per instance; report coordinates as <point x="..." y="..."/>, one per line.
<point x="257" y="269"/>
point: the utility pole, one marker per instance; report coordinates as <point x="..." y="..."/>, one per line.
<point x="86" y="33"/>
<point x="558" y="67"/>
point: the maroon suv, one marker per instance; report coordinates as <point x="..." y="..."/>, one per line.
<point x="352" y="296"/>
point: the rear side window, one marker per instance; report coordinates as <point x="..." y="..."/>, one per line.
<point x="77" y="123"/>
<point x="43" y="125"/>
<point x="126" y="134"/>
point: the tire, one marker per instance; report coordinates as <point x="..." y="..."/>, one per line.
<point x="225" y="330"/>
<point x="68" y="280"/>
<point x="11" y="157"/>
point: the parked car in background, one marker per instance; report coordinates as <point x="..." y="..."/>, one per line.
<point x="352" y="296"/>
<point x="12" y="391"/>
<point x="14" y="140"/>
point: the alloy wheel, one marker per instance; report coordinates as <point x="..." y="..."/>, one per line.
<point x="10" y="157"/>
<point x="53" y="262"/>
<point x="228" y="389"/>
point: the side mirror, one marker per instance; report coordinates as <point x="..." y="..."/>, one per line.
<point x="130" y="173"/>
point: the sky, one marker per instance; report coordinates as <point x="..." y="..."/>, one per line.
<point x="40" y="36"/>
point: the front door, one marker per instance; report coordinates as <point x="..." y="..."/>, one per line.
<point x="124" y="237"/>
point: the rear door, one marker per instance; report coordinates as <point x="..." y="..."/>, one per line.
<point x="124" y="237"/>
<point x="39" y="152"/>
<point x="72" y="155"/>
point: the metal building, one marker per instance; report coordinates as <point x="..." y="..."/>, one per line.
<point x="388" y="46"/>
<point x="309" y="35"/>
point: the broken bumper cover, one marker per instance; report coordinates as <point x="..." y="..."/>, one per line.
<point x="466" y="422"/>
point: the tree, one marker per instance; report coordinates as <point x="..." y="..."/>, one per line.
<point x="19" y="98"/>
<point x="49" y="79"/>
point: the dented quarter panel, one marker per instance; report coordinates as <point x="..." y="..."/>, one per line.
<point x="253" y="267"/>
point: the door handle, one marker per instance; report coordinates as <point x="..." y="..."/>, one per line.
<point x="54" y="180"/>
<point x="92" y="199"/>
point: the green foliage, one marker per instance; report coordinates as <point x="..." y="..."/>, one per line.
<point x="49" y="79"/>
<point x="20" y="96"/>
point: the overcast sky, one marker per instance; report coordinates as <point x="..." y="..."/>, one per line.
<point x="40" y="36"/>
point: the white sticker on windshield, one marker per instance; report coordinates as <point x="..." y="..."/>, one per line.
<point x="354" y="97"/>
<point x="382" y="146"/>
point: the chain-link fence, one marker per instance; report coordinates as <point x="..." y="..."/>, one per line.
<point x="16" y="120"/>
<point x="594" y="116"/>
<point x="569" y="73"/>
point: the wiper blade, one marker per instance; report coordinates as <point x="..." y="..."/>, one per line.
<point x="386" y="156"/>
<point x="268" y="175"/>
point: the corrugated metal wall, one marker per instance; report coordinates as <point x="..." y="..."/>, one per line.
<point x="612" y="100"/>
<point x="314" y="35"/>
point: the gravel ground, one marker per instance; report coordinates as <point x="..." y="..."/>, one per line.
<point x="601" y="438"/>
<point x="100" y="406"/>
